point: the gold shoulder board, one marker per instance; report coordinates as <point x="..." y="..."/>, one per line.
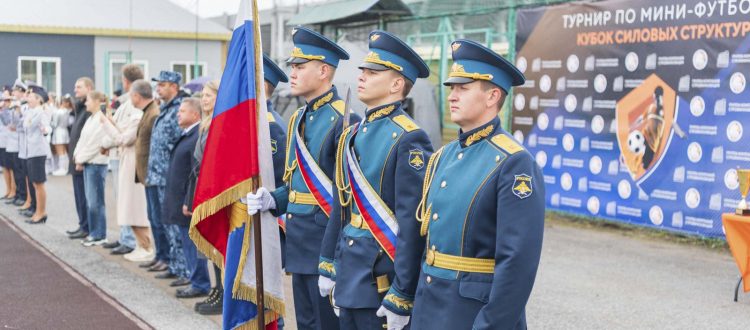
<point x="339" y="105"/>
<point x="405" y="122"/>
<point x="506" y="143"/>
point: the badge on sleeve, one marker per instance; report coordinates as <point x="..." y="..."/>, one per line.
<point x="416" y="159"/>
<point x="274" y="148"/>
<point x="522" y="186"/>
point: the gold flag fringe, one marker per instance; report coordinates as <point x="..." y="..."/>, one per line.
<point x="210" y="207"/>
<point x="246" y="292"/>
<point x="239" y="290"/>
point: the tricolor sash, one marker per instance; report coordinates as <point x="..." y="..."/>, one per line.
<point x="379" y="218"/>
<point x="315" y="179"/>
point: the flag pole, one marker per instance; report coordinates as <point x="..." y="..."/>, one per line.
<point x="259" y="293"/>
<point x="258" y="60"/>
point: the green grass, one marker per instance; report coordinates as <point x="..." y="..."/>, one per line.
<point x="628" y="230"/>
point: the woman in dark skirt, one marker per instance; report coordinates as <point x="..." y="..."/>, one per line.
<point x="36" y="124"/>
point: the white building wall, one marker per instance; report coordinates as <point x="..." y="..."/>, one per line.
<point x="158" y="54"/>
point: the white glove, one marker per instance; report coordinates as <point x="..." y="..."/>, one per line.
<point x="395" y="321"/>
<point x="325" y="285"/>
<point x="261" y="200"/>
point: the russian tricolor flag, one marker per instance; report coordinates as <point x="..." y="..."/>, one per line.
<point x="237" y="154"/>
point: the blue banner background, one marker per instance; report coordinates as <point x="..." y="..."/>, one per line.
<point x="566" y="116"/>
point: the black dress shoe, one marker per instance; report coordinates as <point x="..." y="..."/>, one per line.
<point x="71" y="232"/>
<point x="79" y="235"/>
<point x="190" y="292"/>
<point x="183" y="282"/>
<point x="214" y="308"/>
<point x="148" y="264"/>
<point x="159" y="267"/>
<point x="122" y="249"/>
<point x="27" y="213"/>
<point x="165" y="276"/>
<point x="111" y="245"/>
<point x="43" y="220"/>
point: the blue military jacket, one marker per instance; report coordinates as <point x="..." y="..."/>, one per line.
<point x="483" y="213"/>
<point x="392" y="152"/>
<point x="278" y="151"/>
<point x="321" y="124"/>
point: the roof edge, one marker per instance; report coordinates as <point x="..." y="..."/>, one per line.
<point x="114" y="32"/>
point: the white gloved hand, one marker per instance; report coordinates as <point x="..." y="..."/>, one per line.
<point x="261" y="200"/>
<point x="325" y="285"/>
<point x="395" y="321"/>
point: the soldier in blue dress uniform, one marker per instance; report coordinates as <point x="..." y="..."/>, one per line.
<point x="272" y="75"/>
<point x="482" y="209"/>
<point x="306" y="197"/>
<point x="380" y="168"/>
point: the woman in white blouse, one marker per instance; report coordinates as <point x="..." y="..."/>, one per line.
<point x="90" y="159"/>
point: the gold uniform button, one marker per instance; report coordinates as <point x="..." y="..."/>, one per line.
<point x="364" y="130"/>
<point x="312" y="117"/>
<point x="435" y="216"/>
<point x="288" y="216"/>
<point x="460" y="155"/>
<point x="443" y="184"/>
<point x="433" y="248"/>
<point x="429" y="279"/>
<point x="332" y="118"/>
<point x="394" y="135"/>
<point x="497" y="159"/>
<point x="351" y="242"/>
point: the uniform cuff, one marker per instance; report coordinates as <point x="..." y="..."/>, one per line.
<point x="326" y="268"/>
<point x="398" y="302"/>
<point x="281" y="199"/>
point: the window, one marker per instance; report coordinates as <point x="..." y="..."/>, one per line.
<point x="44" y="71"/>
<point x="189" y="69"/>
<point x="115" y="72"/>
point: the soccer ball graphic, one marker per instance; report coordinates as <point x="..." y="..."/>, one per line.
<point x="636" y="142"/>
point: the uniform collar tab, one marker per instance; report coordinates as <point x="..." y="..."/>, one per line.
<point x="382" y="111"/>
<point x="480" y="133"/>
<point x="327" y="97"/>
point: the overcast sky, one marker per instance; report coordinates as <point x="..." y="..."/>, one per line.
<point x="210" y="8"/>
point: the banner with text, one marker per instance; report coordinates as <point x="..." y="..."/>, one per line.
<point x="635" y="110"/>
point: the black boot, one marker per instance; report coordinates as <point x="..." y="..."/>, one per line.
<point x="215" y="307"/>
<point x="208" y="300"/>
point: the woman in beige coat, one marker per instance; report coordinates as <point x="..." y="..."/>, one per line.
<point x="131" y="196"/>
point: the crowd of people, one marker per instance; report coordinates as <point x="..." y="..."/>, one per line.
<point x="151" y="139"/>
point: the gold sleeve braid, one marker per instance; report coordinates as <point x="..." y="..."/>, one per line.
<point x="423" y="211"/>
<point x="289" y="168"/>
<point x="343" y="188"/>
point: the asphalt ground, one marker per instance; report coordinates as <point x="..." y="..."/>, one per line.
<point x="41" y="292"/>
<point x="589" y="278"/>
